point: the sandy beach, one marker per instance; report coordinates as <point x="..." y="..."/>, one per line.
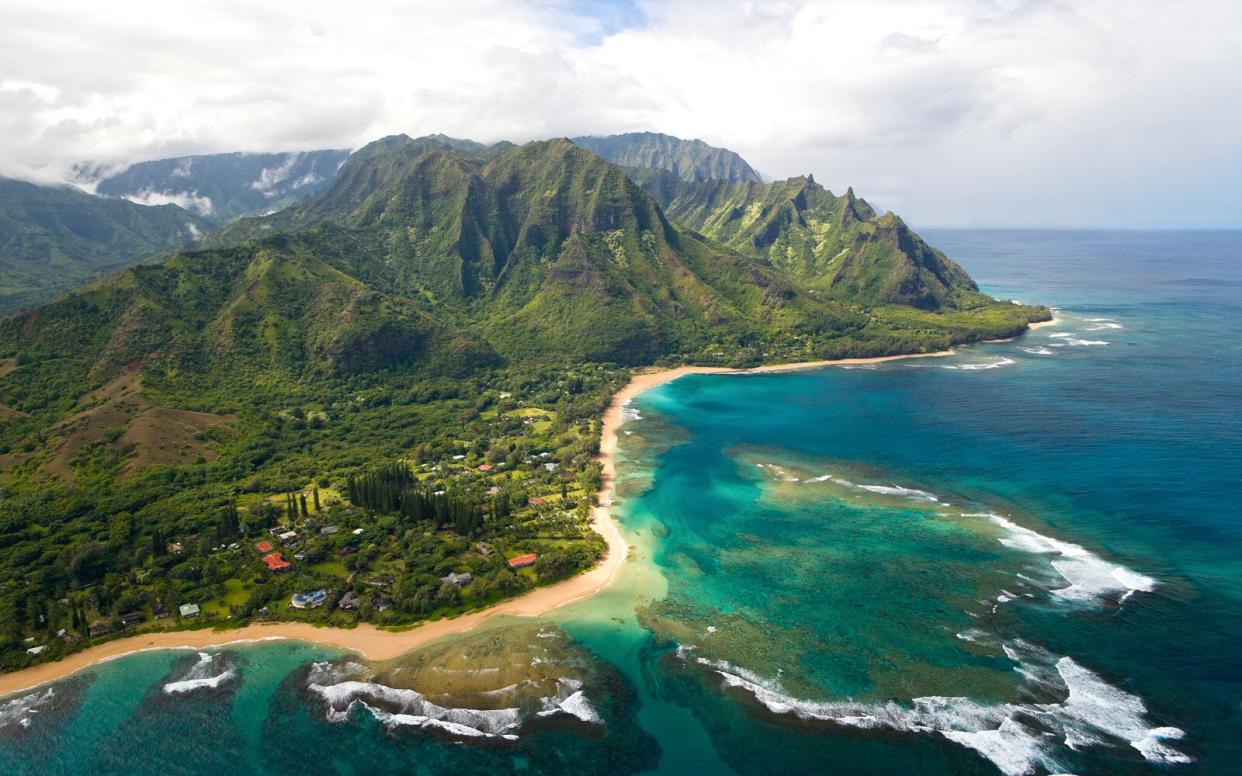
<point x="375" y="644"/>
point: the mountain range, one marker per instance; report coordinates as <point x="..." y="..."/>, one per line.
<point x="221" y="187"/>
<point x="442" y="257"/>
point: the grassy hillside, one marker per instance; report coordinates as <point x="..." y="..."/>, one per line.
<point x="55" y="238"/>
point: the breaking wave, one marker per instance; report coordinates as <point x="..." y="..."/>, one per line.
<point x="1038" y="351"/>
<point x="914" y="494"/>
<point x="1090" y="577"/>
<point x="395" y="708"/>
<point x="629" y="412"/>
<point x="202" y="675"/>
<point x="1085" y="342"/>
<point x="1002" y="361"/>
<point x="20" y="711"/>
<point x="1084" y="710"/>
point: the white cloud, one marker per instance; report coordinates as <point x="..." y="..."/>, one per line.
<point x="187" y="200"/>
<point x="1104" y="112"/>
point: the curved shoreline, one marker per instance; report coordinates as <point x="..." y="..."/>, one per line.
<point x="374" y="644"/>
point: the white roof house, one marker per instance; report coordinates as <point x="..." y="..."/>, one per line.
<point x="189" y="610"/>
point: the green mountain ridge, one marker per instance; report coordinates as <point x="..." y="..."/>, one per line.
<point x="55" y="238"/>
<point x="541" y="250"/>
<point x="836" y="245"/>
<point x="536" y="243"/>
<point x="688" y="160"/>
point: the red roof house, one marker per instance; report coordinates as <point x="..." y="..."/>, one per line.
<point x="276" y="563"/>
<point x="522" y="561"/>
<point x="264" y="546"/>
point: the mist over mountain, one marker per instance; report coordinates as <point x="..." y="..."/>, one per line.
<point x="55" y="238"/>
<point x="221" y="187"/>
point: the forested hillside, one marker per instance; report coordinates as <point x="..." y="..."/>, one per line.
<point x="56" y="238"/>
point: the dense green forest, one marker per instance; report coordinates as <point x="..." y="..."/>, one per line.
<point x="401" y="379"/>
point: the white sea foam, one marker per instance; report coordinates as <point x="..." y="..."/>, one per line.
<point x="1090" y="577"/>
<point x="394" y="707"/>
<point x="1016" y="738"/>
<point x="629" y="413"/>
<point x="1061" y="334"/>
<point x="398" y="707"/>
<point x="1038" y="351"/>
<point x="998" y="363"/>
<point x="204" y="674"/>
<point x="1105" y="326"/>
<point x="1085" y="342"/>
<point x="780" y="472"/>
<point x="21" y="711"/>
<point x="570" y="699"/>
<point x="913" y="494"/>
<point x="973" y="635"/>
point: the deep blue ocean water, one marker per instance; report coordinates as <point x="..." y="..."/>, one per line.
<point x="1023" y="558"/>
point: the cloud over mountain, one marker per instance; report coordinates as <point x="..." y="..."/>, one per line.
<point x="1002" y="112"/>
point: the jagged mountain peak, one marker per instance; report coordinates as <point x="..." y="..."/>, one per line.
<point x="691" y="160"/>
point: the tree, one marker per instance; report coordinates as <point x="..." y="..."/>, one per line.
<point x="120" y="529"/>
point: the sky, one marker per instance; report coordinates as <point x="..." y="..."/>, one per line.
<point x="1005" y="113"/>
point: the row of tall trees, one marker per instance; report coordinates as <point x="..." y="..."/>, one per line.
<point x="393" y="489"/>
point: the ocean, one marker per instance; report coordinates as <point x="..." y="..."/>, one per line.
<point x="1022" y="558"/>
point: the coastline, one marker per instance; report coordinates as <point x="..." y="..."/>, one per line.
<point x="372" y="643"/>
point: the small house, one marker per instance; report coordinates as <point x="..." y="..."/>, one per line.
<point x="461" y="580"/>
<point x="174" y="548"/>
<point x="522" y="561"/>
<point x="131" y="619"/>
<point x="189" y="610"/>
<point x="159" y="611"/>
<point x="99" y="628"/>
<point x="350" y="600"/>
<point x="264" y="546"/>
<point x="37" y="650"/>
<point x="276" y="563"/>
<point x="382" y="603"/>
<point x="328" y="530"/>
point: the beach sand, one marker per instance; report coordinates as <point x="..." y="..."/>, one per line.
<point x="375" y="644"/>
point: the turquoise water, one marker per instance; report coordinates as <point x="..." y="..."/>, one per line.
<point x="1024" y="558"/>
